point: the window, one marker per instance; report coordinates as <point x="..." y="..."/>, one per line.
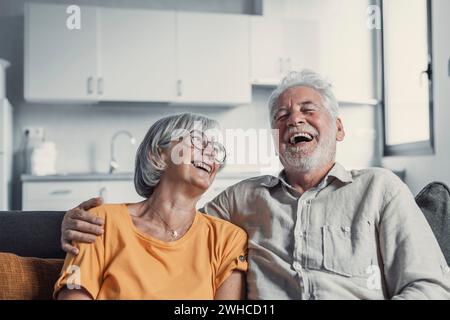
<point x="407" y="77"/>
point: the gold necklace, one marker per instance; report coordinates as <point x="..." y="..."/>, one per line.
<point x="172" y="232"/>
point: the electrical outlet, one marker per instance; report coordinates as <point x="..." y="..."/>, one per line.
<point x="34" y="133"/>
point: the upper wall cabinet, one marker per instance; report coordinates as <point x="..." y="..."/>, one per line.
<point x="137" y="55"/>
<point x="282" y="45"/>
<point x="213" y="58"/>
<point x="60" y="64"/>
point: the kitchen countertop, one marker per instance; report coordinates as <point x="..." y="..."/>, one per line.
<point x="79" y="177"/>
<point x="118" y="176"/>
<point x="130" y="176"/>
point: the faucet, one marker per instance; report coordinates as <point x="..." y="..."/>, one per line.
<point x="113" y="164"/>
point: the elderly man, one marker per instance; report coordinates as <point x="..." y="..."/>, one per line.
<point x="318" y="231"/>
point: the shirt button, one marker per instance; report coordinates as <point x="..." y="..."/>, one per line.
<point x="297" y="265"/>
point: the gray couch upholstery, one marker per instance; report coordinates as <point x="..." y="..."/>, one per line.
<point x="31" y="234"/>
<point x="37" y="234"/>
<point x="434" y="200"/>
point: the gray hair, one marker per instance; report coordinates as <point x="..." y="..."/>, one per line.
<point x="305" y="78"/>
<point x="149" y="165"/>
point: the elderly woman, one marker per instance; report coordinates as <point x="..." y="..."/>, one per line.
<point x="162" y="247"/>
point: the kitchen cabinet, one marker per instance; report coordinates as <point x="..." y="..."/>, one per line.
<point x="137" y="55"/>
<point x="279" y="46"/>
<point x="6" y="151"/>
<point x="213" y="58"/>
<point x="60" y="63"/>
<point x="63" y="195"/>
<point x="63" y="192"/>
<point x="4" y="197"/>
<point x="118" y="191"/>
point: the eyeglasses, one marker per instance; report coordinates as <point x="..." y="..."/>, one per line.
<point x="200" y="141"/>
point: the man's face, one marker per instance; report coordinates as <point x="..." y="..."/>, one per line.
<point x="307" y="130"/>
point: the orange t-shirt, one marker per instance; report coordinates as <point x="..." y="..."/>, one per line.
<point x="125" y="263"/>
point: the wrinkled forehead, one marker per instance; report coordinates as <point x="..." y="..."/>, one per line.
<point x="299" y="95"/>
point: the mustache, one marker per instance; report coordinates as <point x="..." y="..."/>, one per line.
<point x="302" y="128"/>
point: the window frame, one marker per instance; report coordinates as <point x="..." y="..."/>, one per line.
<point x="425" y="147"/>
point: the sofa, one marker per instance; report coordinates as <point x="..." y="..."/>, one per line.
<point x="31" y="257"/>
<point x="30" y="254"/>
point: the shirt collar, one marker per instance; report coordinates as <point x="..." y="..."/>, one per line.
<point x="337" y="171"/>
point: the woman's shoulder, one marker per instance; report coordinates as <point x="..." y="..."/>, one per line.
<point x="110" y="212"/>
<point x="222" y="228"/>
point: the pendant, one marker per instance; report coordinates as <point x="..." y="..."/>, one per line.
<point x="174" y="234"/>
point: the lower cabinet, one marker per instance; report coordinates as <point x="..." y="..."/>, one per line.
<point x="64" y="195"/>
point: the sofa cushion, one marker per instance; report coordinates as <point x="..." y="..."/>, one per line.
<point x="24" y="278"/>
<point x="31" y="234"/>
<point x="434" y="201"/>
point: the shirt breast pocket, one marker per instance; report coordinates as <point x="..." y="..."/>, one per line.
<point x="347" y="252"/>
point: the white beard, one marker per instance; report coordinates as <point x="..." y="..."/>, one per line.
<point x="324" y="153"/>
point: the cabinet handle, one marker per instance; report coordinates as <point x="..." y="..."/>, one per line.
<point x="100" y="86"/>
<point x="179" y="88"/>
<point x="90" y="85"/>
<point x="60" y="192"/>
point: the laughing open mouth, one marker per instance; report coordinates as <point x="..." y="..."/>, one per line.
<point x="300" y="137"/>
<point x="202" y="166"/>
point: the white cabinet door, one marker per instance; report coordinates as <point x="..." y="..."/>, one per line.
<point x="279" y="46"/>
<point x="51" y="195"/>
<point x="137" y="55"/>
<point x="64" y="195"/>
<point x="118" y="192"/>
<point x="60" y="64"/>
<point x="213" y="58"/>
<point x="301" y="45"/>
<point x="3" y="184"/>
<point x="267" y="56"/>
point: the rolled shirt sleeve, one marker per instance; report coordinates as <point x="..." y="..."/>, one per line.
<point x="234" y="257"/>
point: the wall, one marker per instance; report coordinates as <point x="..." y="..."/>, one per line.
<point x="421" y="170"/>
<point x="82" y="133"/>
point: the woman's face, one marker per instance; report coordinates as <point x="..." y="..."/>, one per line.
<point x="193" y="160"/>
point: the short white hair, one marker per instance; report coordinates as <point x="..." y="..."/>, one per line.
<point x="149" y="165"/>
<point x="304" y="78"/>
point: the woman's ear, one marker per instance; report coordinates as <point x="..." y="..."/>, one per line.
<point x="161" y="154"/>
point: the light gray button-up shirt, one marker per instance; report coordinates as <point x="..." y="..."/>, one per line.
<point x="358" y="235"/>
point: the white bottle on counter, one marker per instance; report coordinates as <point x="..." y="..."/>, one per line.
<point x="43" y="159"/>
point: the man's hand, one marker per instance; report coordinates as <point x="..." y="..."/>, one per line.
<point x="81" y="225"/>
